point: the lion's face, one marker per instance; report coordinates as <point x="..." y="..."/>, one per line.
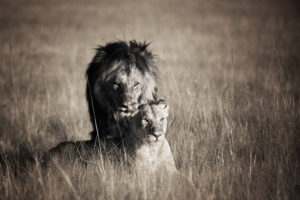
<point x="153" y="121"/>
<point x="124" y="90"/>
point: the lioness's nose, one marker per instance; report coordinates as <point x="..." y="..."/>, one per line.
<point x="154" y="131"/>
<point x="157" y="135"/>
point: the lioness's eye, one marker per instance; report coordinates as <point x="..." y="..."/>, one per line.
<point x="162" y="119"/>
<point x="145" y="120"/>
<point x="136" y="84"/>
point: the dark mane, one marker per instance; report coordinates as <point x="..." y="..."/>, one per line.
<point x="133" y="54"/>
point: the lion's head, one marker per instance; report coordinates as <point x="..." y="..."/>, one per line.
<point x="120" y="77"/>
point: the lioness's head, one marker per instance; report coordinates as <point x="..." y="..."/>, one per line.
<point x="151" y="121"/>
<point x="120" y="77"/>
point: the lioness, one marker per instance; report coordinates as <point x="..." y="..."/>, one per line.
<point x="149" y="147"/>
<point x="145" y="143"/>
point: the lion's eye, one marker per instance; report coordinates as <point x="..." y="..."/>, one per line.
<point x="116" y="86"/>
<point x="162" y="119"/>
<point x="136" y="84"/>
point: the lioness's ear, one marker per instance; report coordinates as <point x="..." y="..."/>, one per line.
<point x="161" y="101"/>
<point x="140" y="107"/>
<point x="163" y="104"/>
<point x="166" y="106"/>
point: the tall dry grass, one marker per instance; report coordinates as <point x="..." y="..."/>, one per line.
<point x="229" y="70"/>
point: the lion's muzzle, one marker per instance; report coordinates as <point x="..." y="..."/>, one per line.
<point x="128" y="109"/>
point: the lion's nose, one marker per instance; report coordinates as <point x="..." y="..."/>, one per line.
<point x="131" y="106"/>
<point x="123" y="107"/>
<point x="127" y="98"/>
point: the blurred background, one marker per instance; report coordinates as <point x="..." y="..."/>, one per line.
<point x="229" y="70"/>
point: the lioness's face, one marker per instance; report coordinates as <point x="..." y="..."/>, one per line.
<point x="154" y="120"/>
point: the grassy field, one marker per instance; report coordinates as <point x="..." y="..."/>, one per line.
<point x="229" y="70"/>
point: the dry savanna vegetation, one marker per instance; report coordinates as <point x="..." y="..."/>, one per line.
<point x="228" y="69"/>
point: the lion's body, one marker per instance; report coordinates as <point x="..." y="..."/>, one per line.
<point x="66" y="153"/>
<point x="81" y="153"/>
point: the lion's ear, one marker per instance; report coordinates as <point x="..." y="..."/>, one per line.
<point x="139" y="47"/>
<point x="143" y="50"/>
<point x="100" y="53"/>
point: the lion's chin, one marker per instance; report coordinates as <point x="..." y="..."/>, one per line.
<point x="123" y="114"/>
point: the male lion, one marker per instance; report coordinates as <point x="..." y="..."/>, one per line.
<point x="147" y="143"/>
<point x="120" y="77"/>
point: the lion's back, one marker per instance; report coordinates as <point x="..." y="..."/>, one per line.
<point x="65" y="154"/>
<point x="71" y="153"/>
